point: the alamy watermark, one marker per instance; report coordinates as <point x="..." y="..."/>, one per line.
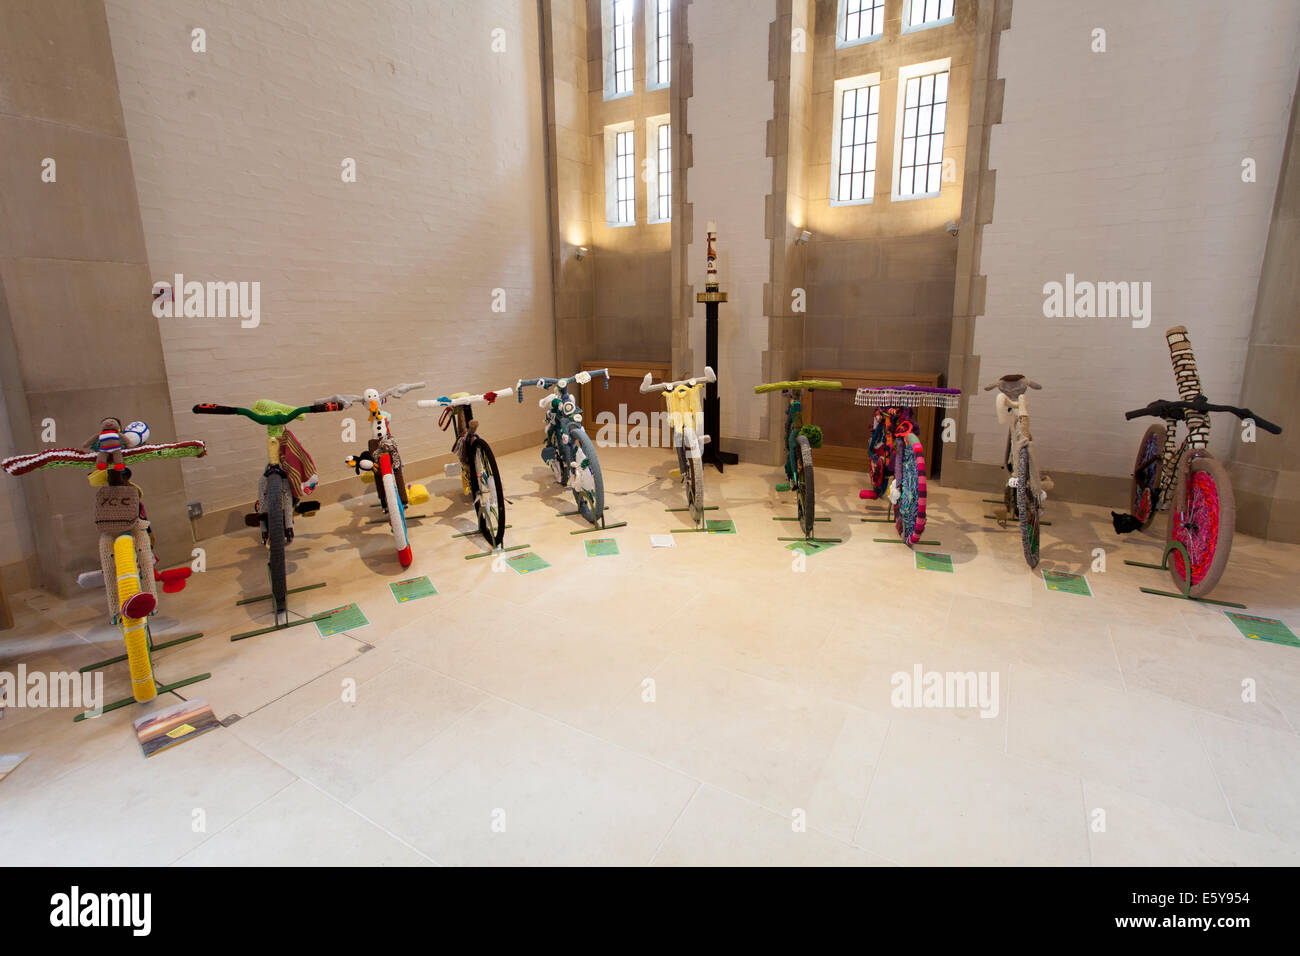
<point x="638" y="429"/>
<point x="22" y="688"/>
<point x="1083" y="299"/>
<point x="957" y="690"/>
<point x="208" y="300"/>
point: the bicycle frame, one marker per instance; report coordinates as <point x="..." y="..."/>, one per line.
<point x="482" y="484"/>
<point x="565" y="436"/>
<point x="275" y="517"/>
<point x="685" y="403"/>
<point x="1202" y="512"/>
<point x="126" y="554"/>
<point x="1012" y="406"/>
<point x="894" y="435"/>
<point x="800" y="440"/>
<point x="1024" y="495"/>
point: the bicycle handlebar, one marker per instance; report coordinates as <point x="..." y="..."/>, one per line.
<point x="792" y="386"/>
<point x="1177" y="411"/>
<point x="582" y="378"/>
<point x="707" y="378"/>
<point x="445" y="401"/>
<point x="208" y="408"/>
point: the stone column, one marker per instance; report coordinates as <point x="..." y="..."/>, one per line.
<point x="78" y="339"/>
<point x="1266" y="474"/>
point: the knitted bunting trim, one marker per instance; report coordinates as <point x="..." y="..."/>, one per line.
<point x="908" y="396"/>
<point x="76" y="457"/>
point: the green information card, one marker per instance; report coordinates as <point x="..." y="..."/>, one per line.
<point x="412" y="589"/>
<point x="340" y="619"/>
<point x="1263" y="629"/>
<point x="1066" y="582"/>
<point x="811" y="547"/>
<point x="527" y="562"/>
<point x="601" y="547"/>
<point x="720" y="526"/>
<point x="932" y="561"/>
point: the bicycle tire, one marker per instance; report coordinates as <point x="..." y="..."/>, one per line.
<point x="1143" y="497"/>
<point x="396" y="513"/>
<point x="1203" y="519"/>
<point x="485" y="468"/>
<point x="805" y="485"/>
<point x="909" y="474"/>
<point x="1027" y="505"/>
<point x="693" y="475"/>
<point x="275" y="539"/>
<point x="590" y="502"/>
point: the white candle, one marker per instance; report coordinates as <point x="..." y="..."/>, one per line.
<point x="711" y="255"/>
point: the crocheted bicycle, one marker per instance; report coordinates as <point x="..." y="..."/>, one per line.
<point x="568" y="449"/>
<point x="289" y="475"/>
<point x="127" y="565"/>
<point x="479" y="476"/>
<point x="381" y="463"/>
<point x="1187" y="476"/>
<point x="1025" y="495"/>
<point x="896" y="456"/>
<point x="800" y="440"/>
<point x="685" y="403"/>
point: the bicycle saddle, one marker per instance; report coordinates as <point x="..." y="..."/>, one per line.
<point x="1012" y="386"/>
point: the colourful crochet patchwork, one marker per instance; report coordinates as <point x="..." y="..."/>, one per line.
<point x="910" y="520"/>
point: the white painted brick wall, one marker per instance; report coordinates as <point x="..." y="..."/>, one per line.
<point x="237" y="158"/>
<point x="731" y="177"/>
<point x="1126" y="165"/>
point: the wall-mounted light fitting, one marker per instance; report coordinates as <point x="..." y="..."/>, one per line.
<point x="803" y="238"/>
<point x="952" y="227"/>
<point x="581" y="253"/>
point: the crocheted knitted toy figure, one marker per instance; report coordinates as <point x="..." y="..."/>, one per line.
<point x="382" y="441"/>
<point x="108" y="445"/>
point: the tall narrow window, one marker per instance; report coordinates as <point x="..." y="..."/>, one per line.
<point x="926" y="13"/>
<point x="861" y="20"/>
<point x="620" y="174"/>
<point x="663" y="41"/>
<point x="621" y="46"/>
<point x="665" y="173"/>
<point x="923" y="110"/>
<point x="624" y="179"/>
<point x="659" y="168"/>
<point x="854" y="138"/>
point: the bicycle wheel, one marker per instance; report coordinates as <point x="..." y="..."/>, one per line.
<point x="588" y="485"/>
<point x="909" y="473"/>
<point x="1202" y="520"/>
<point x="693" y="474"/>
<point x="1027" y="505"/>
<point x="489" y="499"/>
<point x="275" y="495"/>
<point x="1146" y="475"/>
<point x="805" y="485"/>
<point x="396" y="512"/>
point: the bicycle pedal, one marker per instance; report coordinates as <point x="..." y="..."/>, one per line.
<point x="306" y="509"/>
<point x="783" y="486"/>
<point x="416" y="494"/>
<point x="253" y="519"/>
<point x="675" y="473"/>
